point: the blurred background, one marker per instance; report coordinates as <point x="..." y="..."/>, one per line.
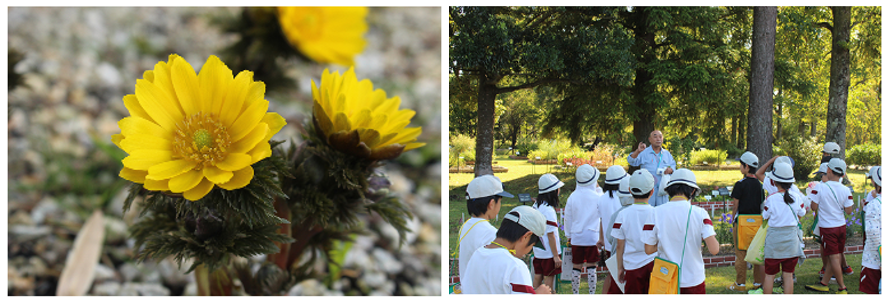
<point x="69" y="69"/>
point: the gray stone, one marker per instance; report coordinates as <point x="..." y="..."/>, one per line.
<point x="103" y="272"/>
<point x="24" y="233"/>
<point x="374" y="279"/>
<point x="46" y="207"/>
<point x="310" y="287"/>
<point x="387" y="262"/>
<point x="171" y="274"/>
<point x="116" y="231"/>
<point x="143" y="289"/>
<point x="110" y="288"/>
<point x="129" y="272"/>
<point x="191" y="289"/>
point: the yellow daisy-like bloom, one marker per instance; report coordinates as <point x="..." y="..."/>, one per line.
<point x="358" y="120"/>
<point x="326" y="34"/>
<point x="188" y="133"/>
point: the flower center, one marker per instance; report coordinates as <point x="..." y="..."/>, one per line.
<point x="202" y="139"/>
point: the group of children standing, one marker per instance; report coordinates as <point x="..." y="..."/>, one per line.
<point x="618" y="220"/>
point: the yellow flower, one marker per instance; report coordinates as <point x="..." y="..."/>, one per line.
<point x="358" y="120"/>
<point x="325" y="34"/>
<point x="187" y="133"/>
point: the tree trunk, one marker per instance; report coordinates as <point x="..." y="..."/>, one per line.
<point x="813" y="130"/>
<point x="644" y="123"/>
<point x="762" y="81"/>
<point x="742" y="122"/>
<point x="485" y="122"/>
<point x="838" y="89"/>
<point x="734" y="136"/>
<point x="780" y="112"/>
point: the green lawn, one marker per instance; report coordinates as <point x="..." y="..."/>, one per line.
<point x="520" y="178"/>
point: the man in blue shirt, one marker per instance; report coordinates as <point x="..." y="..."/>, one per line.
<point x="656" y="160"/>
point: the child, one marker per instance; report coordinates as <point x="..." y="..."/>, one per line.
<point x="625" y="200"/>
<point x="547" y="260"/>
<point x="634" y="264"/>
<point x="847" y="270"/>
<point x="747" y="198"/>
<point x="583" y="226"/>
<point x="497" y="268"/>
<point x="782" y="247"/>
<point x="870" y="260"/>
<point x="484" y="203"/>
<point x="609" y="203"/>
<point x="830" y="200"/>
<point x="766" y="179"/>
<point x="664" y="227"/>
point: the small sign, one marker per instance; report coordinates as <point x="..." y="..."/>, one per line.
<point x="518" y="152"/>
<point x="524" y="198"/>
<point x="510" y="148"/>
<point x="537" y="157"/>
<point x="715" y="193"/>
<point x="724" y="191"/>
<point x="707" y="197"/>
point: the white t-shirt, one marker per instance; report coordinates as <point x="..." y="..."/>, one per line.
<point x="582" y="215"/>
<point x="873" y="234"/>
<point x="496" y="271"/>
<point x="628" y="226"/>
<point x="551" y="226"/>
<point x="869" y="197"/>
<point x="475" y="233"/>
<point x="608" y="207"/>
<point x="666" y="227"/>
<point x="830" y="209"/>
<point x="779" y="213"/>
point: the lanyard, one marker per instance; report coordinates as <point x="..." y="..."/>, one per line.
<point x="514" y="252"/>
<point x="466" y="232"/>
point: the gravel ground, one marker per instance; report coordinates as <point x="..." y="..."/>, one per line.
<point x="78" y="66"/>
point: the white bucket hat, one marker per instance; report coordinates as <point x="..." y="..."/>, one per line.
<point x="683" y="176"/>
<point x="750" y="159"/>
<point x="548" y="182"/>
<point x="837" y="165"/>
<point x="485" y="186"/>
<point x="786" y="160"/>
<point x="529" y="218"/>
<point x="614" y="174"/>
<point x="586" y="175"/>
<point x="641" y="182"/>
<point x="624" y="191"/>
<point x="831" y="148"/>
<point x="782" y="172"/>
<point x="822" y="169"/>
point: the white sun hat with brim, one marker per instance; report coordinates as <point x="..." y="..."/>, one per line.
<point x="485" y="186"/>
<point x="641" y="182"/>
<point x="548" y="182"/>
<point x="683" y="176"/>
<point x="785" y="160"/>
<point x="586" y="175"/>
<point x="782" y="172"/>
<point x="529" y="218"/>
<point x="837" y="165"/>
<point x="614" y="174"/>
<point x="624" y="191"/>
<point x="750" y="159"/>
<point x="831" y="148"/>
<point x="822" y="169"/>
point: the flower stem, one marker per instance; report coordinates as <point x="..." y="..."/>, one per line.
<point x="302" y="236"/>
<point x="217" y="283"/>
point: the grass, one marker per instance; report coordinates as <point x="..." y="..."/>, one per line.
<point x="520" y="178"/>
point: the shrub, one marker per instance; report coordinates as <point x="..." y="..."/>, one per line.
<point x="680" y="148"/>
<point x="526" y="145"/>
<point x="549" y="149"/>
<point x="711" y="156"/>
<point x="577" y="156"/>
<point x="806" y="154"/>
<point x="462" y="145"/>
<point x="867" y="154"/>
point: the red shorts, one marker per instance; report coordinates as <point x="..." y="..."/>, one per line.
<point x="584" y="254"/>
<point x="637" y="281"/>
<point x="698" y="289"/>
<point x="833" y="240"/>
<point x="613" y="288"/>
<point x="870" y="281"/>
<point x="787" y="265"/>
<point x="545" y="267"/>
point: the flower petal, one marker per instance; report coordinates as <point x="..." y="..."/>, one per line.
<point x="163" y="81"/>
<point x="340" y="122"/>
<point x="185" y="181"/>
<point x="216" y="175"/>
<point x="261" y="151"/>
<point x="254" y="137"/>
<point x="187" y="88"/>
<point x="255" y="92"/>
<point x="157" y="185"/>
<point x="406" y="135"/>
<point x="116" y="139"/>
<point x="142" y="159"/>
<point x="232" y="107"/>
<point x="199" y="191"/>
<point x="387" y="152"/>
<point x="145" y="141"/>
<point x="248" y="120"/>
<point x="170" y="169"/>
<point x="135" y="125"/>
<point x="134" y="108"/>
<point x="241" y="178"/>
<point x="275" y="123"/>
<point x="234" y="162"/>
<point x="411" y="146"/>
<point x="214" y="78"/>
<point x="321" y="118"/>
<point x="156" y="104"/>
<point x="136" y="176"/>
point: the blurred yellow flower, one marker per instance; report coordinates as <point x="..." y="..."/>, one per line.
<point x="358" y="120"/>
<point x="326" y="34"/>
<point x="187" y="133"/>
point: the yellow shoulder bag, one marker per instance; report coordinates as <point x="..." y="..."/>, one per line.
<point x="665" y="277"/>
<point x="748" y="225"/>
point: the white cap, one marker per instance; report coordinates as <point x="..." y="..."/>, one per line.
<point x="782" y="172"/>
<point x="785" y="160"/>
<point x="485" y="186"/>
<point x="529" y="218"/>
<point x="641" y="182"/>
<point x="750" y="159"/>
<point x="683" y="176"/>
<point x="548" y="182"/>
<point x="585" y="175"/>
<point x="875" y="174"/>
<point x="822" y="169"/>
<point x="831" y="148"/>
<point x="614" y="174"/>
<point x="624" y="191"/>
<point x="837" y="165"/>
